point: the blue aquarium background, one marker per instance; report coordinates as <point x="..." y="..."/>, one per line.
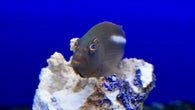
<point x="161" y="32"/>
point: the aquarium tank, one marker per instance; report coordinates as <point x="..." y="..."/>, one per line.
<point x="161" y="33"/>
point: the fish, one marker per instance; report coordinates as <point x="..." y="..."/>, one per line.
<point x="99" y="52"/>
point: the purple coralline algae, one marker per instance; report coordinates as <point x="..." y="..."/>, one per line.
<point x="126" y="96"/>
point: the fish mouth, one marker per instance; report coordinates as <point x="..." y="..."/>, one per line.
<point x="79" y="60"/>
<point x="76" y="62"/>
<point x="76" y="59"/>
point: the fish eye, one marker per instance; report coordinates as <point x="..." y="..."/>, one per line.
<point x="94" y="46"/>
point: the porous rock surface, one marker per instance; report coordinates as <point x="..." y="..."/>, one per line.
<point x="61" y="89"/>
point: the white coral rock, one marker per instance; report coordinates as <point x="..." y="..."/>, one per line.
<point x="61" y="89"/>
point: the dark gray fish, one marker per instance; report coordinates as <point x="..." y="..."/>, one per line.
<point x="99" y="51"/>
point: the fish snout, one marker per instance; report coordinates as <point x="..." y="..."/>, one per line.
<point x="79" y="60"/>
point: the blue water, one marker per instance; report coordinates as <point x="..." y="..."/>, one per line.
<point x="160" y="32"/>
